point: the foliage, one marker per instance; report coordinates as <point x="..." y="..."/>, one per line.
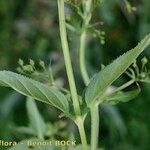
<point x="39" y="42"/>
<point x="102" y="80"/>
<point x="34" y="89"/>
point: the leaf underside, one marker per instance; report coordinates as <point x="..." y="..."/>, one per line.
<point x="34" y="89"/>
<point x="110" y="73"/>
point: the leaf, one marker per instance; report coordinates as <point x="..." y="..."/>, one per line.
<point x="121" y="97"/>
<point x="110" y="73"/>
<point x="34" y="89"/>
<point x="36" y="121"/>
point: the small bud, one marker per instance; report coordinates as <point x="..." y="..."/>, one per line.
<point x="28" y="68"/>
<point x="144" y="61"/>
<point x="20" y="62"/>
<point x="42" y="64"/>
<point x="19" y="69"/>
<point x="143" y="75"/>
<point x="31" y="62"/>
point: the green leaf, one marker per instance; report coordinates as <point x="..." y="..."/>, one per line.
<point x="34" y="89"/>
<point x="121" y="97"/>
<point x="109" y="74"/>
<point x="36" y="121"/>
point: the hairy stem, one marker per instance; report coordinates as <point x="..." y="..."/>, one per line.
<point x="65" y="47"/>
<point x="94" y="127"/>
<point x="80" y="124"/>
<point x="94" y="111"/>
<point x="70" y="75"/>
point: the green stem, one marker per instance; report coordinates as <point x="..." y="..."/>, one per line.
<point x="84" y="73"/>
<point x="119" y="88"/>
<point x="94" y="127"/>
<point x="80" y="124"/>
<point x="65" y="47"/>
<point x="124" y="86"/>
<point x="85" y="76"/>
<point x="86" y="20"/>
<point x="69" y="70"/>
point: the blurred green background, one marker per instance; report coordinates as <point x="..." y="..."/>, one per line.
<point x="29" y="29"/>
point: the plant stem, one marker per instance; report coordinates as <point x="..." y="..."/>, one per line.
<point x="86" y="20"/>
<point x="94" y="110"/>
<point x="124" y="86"/>
<point x="70" y="75"/>
<point x="82" y="58"/>
<point x="65" y="47"/>
<point x="80" y="124"/>
<point x="94" y="127"/>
